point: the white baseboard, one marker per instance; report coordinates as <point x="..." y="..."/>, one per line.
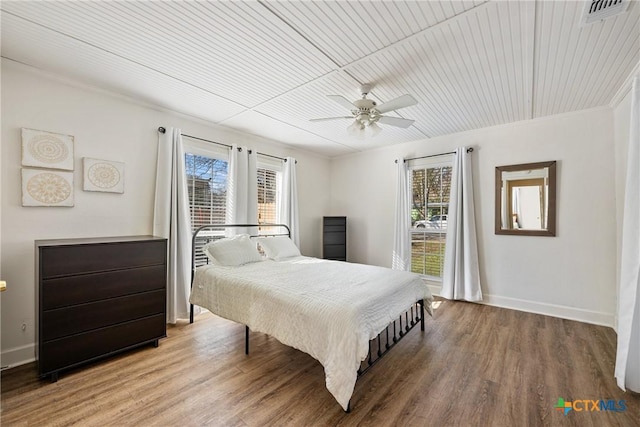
<point x="554" y="310"/>
<point x="18" y="356"/>
<point x="435" y="289"/>
<point x="546" y="309"/>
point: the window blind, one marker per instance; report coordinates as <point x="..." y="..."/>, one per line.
<point x="207" y="188"/>
<point x="267" y="196"/>
<point x="430" y="192"/>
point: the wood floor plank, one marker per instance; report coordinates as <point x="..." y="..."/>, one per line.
<point x="474" y="365"/>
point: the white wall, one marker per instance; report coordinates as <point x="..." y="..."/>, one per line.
<point x="105" y="126"/>
<point x="571" y="275"/>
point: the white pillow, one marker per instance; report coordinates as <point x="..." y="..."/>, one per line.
<point x="232" y="251"/>
<point x="278" y="247"/>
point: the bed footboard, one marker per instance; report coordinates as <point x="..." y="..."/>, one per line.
<point x="390" y="336"/>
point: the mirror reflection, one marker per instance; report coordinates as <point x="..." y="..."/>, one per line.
<point x="525" y="199"/>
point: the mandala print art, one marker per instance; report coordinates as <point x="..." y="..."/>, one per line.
<point x="48" y="149"/>
<point x="104" y="175"/>
<point x="48" y="188"/>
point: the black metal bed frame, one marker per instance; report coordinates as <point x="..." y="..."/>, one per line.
<point x="384" y="341"/>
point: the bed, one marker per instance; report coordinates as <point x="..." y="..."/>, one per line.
<point x="345" y="315"/>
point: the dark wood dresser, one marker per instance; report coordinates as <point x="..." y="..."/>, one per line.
<point x="96" y="297"/>
<point x="334" y="238"/>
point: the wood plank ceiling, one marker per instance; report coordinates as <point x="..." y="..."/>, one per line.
<point x="265" y="67"/>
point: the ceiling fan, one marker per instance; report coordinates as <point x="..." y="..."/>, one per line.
<point x="367" y="114"/>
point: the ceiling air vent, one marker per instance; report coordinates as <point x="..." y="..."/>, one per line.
<point x="597" y="10"/>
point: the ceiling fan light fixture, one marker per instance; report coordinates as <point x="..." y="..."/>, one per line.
<point x="367" y="113"/>
<point x="375" y="129"/>
<point x="356" y="127"/>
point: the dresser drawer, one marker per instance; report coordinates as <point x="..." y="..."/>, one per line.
<point x="67" y="260"/>
<point x="334" y="238"/>
<point x="335" y="229"/>
<point x="69" y="351"/>
<point x="72" y="290"/>
<point x="86" y="317"/>
<point x="335" y="221"/>
<point x="335" y="251"/>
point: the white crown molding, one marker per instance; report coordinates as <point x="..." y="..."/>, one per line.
<point x="625" y="88"/>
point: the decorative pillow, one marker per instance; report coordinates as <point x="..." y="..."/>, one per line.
<point x="278" y="247"/>
<point x="232" y="251"/>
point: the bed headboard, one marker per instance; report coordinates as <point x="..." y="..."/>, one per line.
<point x="210" y="232"/>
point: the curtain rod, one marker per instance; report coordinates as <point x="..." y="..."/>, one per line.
<point x="469" y="150"/>
<point x="163" y="130"/>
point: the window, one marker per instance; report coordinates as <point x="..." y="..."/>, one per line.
<point x="267" y="196"/>
<point x="430" y="188"/>
<point x="207" y="188"/>
<point x="269" y="185"/>
<point x="206" y="171"/>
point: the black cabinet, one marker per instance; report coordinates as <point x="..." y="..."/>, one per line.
<point x="98" y="297"/>
<point x="334" y="238"/>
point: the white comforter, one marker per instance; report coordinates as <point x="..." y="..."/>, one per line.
<point x="327" y="309"/>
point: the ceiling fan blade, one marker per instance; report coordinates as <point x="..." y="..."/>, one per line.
<point x="397" y="103"/>
<point x="396" y="121"/>
<point x="330" y="118"/>
<point x="342" y="101"/>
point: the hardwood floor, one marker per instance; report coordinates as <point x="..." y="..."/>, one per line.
<point x="474" y="365"/>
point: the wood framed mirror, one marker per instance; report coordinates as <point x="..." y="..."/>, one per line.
<point x="526" y="199"/>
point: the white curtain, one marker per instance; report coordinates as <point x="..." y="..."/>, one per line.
<point x="242" y="190"/>
<point x="627" y="370"/>
<point x="401" y="237"/>
<point x="515" y="208"/>
<point x="171" y="220"/>
<point x="461" y="275"/>
<point x="288" y="203"/>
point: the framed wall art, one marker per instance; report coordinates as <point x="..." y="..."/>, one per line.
<point x="44" y="149"/>
<point x="46" y="187"/>
<point x="103" y="175"/>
